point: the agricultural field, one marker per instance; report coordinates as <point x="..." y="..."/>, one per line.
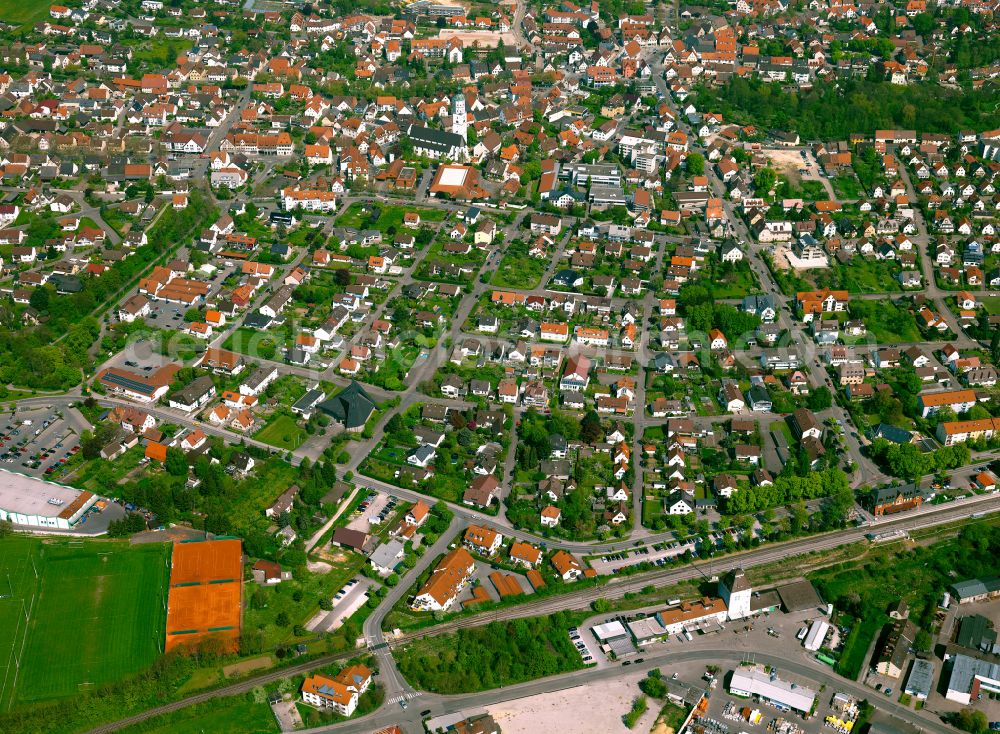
<point x="95" y="607"/>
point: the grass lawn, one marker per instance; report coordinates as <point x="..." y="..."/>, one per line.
<point x="282" y="598"/>
<point x="236" y="715"/>
<point x="252" y="343"/>
<point x="846" y="187"/>
<point x="860" y="276"/>
<point x="24" y="11"/>
<point x="160" y="51"/>
<point x="358" y="215"/>
<point x="97" y="613"/>
<point x="672" y="716"/>
<point x="282" y="431"/>
<point x="810" y="190"/>
<point x="992" y="304"/>
<point x="886" y="321"/>
<point x="738" y="282"/>
<point x="863" y="631"/>
<point x="519" y="271"/>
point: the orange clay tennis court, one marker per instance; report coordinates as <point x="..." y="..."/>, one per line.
<point x="204" y="561"/>
<point x="206" y="594"/>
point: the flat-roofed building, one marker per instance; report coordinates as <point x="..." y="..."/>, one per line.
<point x="36" y="503"/>
<point x="971" y="677"/>
<point x="767" y="686"/>
<point x="920" y="680"/>
<point x="457" y="182"/>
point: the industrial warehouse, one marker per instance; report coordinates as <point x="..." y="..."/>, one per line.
<point x="36" y="503"/>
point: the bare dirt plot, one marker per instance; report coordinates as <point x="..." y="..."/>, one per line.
<point x="483" y="39"/>
<point x="551" y="711"/>
<point x="789" y="161"/>
<point x="786" y="161"/>
<point x="247" y="666"/>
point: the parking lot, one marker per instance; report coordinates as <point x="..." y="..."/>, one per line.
<point x="346" y="601"/>
<point x="658" y="556"/>
<point x="163" y="315"/>
<point x="39" y="442"/>
<point x="589" y="655"/>
<point x="375" y="510"/>
<point x="142" y="357"/>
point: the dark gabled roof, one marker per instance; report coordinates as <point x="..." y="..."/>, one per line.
<point x="257" y="320"/>
<point x="350" y="538"/>
<point x="194" y="390"/>
<point x="352" y="406"/>
<point x="439" y="140"/>
<point x="892" y="433"/>
<point x="882" y="495"/>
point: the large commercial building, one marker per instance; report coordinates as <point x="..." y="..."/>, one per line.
<point x="139" y="387"/>
<point x="456" y="182"/>
<point x="768" y="687"/>
<point x="971" y="677"/>
<point x="36" y="503"/>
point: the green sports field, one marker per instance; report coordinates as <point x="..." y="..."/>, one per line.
<point x="24" y="11"/>
<point x="95" y="614"/>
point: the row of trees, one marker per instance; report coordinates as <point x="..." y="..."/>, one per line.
<point x="909" y="462"/>
<point x="834" y="111"/>
<point x="498" y="654"/>
<point x="789" y="489"/>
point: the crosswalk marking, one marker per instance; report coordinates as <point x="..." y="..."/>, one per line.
<point x="407" y="696"/>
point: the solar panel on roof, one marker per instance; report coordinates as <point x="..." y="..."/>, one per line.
<point x="127" y="382"/>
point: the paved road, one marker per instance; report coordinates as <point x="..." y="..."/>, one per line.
<point x="712" y="653"/>
<point x="617" y="588"/>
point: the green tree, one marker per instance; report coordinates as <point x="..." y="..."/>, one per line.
<point x="764" y="180"/>
<point x="601" y="606"/>
<point x="40" y="299"/>
<point x="819" y="399"/>
<point x="971" y="720"/>
<point x="176" y="462"/>
<point x="696" y="164"/>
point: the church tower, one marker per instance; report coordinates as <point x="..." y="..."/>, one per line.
<point x="459" y="121"/>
